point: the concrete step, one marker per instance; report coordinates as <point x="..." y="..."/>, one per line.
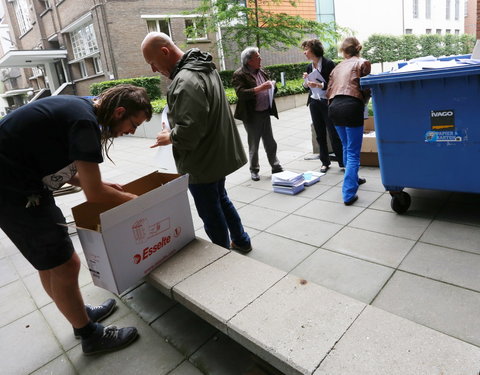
<point x="300" y="327"/>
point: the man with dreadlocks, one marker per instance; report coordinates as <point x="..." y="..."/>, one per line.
<point x="43" y="145"/>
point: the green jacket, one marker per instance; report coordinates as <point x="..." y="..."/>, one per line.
<point x="206" y="142"/>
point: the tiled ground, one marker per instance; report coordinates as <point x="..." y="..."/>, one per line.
<point x="422" y="265"/>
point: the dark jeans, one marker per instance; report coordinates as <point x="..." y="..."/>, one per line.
<point x="260" y="127"/>
<point x="322" y="123"/>
<point x="218" y="214"/>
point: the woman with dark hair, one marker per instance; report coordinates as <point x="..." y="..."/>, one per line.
<point x="347" y="103"/>
<point x="43" y="145"/>
<point x="316" y="84"/>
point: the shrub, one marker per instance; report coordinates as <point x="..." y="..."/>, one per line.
<point x="151" y="84"/>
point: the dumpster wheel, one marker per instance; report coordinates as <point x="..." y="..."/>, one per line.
<point x="400" y="202"/>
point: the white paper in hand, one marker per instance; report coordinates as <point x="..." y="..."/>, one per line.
<point x="164" y="157"/>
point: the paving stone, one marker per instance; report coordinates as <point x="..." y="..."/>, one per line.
<point x="260" y="218"/>
<point x="456" y="236"/>
<point x="314" y="191"/>
<point x="222" y="356"/>
<point x="445" y="308"/>
<point x="373" y="184"/>
<point x="22" y="266"/>
<point x="421" y="207"/>
<point x="147" y="355"/>
<point x="279" y="252"/>
<point x="371" y="246"/>
<point x="391" y="223"/>
<point x="329" y="211"/>
<point x="16" y="302"/>
<point x="282" y="202"/>
<point x="186" y="368"/>
<point x="297" y="333"/>
<point x="310" y="231"/>
<point x="60" y="365"/>
<point x="192" y="258"/>
<point x="148" y="302"/>
<point x="461" y="213"/>
<point x="451" y="266"/>
<point x="245" y="194"/>
<point x="7" y="272"/>
<point x="35" y="288"/>
<point x="380" y="343"/>
<point x="350" y="276"/>
<point x="27" y="344"/>
<point x="183" y="329"/>
<point x="225" y="287"/>
<point x="365" y="198"/>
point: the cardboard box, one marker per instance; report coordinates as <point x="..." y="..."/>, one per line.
<point x="369" y="152"/>
<point x="124" y="243"/>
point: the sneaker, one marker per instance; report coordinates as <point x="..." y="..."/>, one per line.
<point x="108" y="339"/>
<point x="255" y="176"/>
<point x="361" y="180"/>
<point x="243" y="249"/>
<point x="100" y="312"/>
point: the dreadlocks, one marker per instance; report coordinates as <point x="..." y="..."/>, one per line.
<point x="133" y="98"/>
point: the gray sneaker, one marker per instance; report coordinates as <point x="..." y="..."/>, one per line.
<point x="108" y="339"/>
<point x="99" y="313"/>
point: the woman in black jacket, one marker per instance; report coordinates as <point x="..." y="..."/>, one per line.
<point x="316" y="81"/>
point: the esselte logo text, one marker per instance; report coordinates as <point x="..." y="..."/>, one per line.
<point x="148" y="251"/>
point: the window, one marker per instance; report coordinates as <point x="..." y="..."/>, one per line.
<point x="457" y="9"/>
<point x="447" y="10"/>
<point x="438" y="31"/>
<point x="162" y="26"/>
<point x="465" y="8"/>
<point x="428" y="31"/>
<point x="23" y="15"/>
<point x="83" y="41"/>
<point x="415" y="8"/>
<point x="408" y="31"/>
<point x="45" y="4"/>
<point x="195" y="29"/>
<point x="83" y="68"/>
<point x="457" y="32"/>
<point x="428" y="9"/>
<point x="97" y="64"/>
<point x="447" y="31"/>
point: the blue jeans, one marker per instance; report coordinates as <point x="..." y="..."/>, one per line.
<point x="218" y="214"/>
<point x="352" y="143"/>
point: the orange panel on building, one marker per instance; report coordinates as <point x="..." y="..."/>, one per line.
<point x="303" y="8"/>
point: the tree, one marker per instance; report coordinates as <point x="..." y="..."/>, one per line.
<point x="253" y="22"/>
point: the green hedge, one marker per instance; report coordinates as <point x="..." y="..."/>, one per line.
<point x="151" y="84"/>
<point x="292" y="72"/>
<point x="291" y="87"/>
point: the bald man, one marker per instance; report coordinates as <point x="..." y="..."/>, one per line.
<point x="205" y="139"/>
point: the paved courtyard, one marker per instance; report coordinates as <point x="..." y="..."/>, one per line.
<point x="422" y="266"/>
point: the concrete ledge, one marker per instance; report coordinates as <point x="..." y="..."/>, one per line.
<point x="300" y="327"/>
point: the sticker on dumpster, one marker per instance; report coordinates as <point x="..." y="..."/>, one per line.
<point x="443" y="136"/>
<point x="442" y="119"/>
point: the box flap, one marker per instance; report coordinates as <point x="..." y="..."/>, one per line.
<point x="163" y="187"/>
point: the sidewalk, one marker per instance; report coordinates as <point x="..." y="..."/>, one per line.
<point x="422" y="266"/>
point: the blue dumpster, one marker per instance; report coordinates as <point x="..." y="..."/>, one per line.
<point x="427" y="125"/>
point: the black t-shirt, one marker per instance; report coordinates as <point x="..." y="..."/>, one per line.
<point x="40" y="141"/>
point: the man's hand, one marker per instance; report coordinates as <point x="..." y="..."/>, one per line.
<point x="264" y="86"/>
<point x="114" y="185"/>
<point x="163" y="138"/>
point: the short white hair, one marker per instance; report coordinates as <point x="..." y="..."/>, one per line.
<point x="157" y="39"/>
<point x="247" y="54"/>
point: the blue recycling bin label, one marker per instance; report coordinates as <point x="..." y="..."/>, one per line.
<point x="444" y="136"/>
<point x="442" y="119"/>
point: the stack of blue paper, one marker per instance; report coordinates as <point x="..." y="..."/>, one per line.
<point x="287" y="182"/>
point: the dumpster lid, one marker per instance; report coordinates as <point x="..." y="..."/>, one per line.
<point x="393" y="77"/>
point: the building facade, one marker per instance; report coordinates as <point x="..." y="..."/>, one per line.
<point x="64" y="46"/>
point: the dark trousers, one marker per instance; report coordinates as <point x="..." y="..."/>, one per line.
<point x="218" y="214"/>
<point x="260" y="127"/>
<point x="322" y="123"/>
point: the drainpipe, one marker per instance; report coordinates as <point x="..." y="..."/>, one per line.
<point x="103" y="23"/>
